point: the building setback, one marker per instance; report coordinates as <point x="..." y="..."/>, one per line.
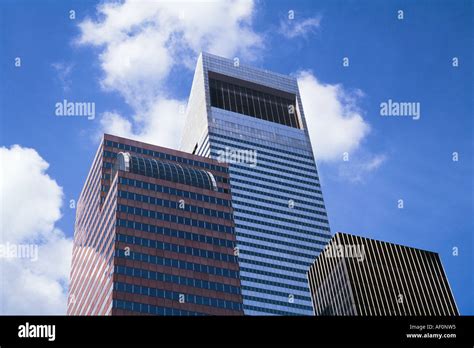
<point x="362" y="276"/>
<point x="254" y="120"/>
<point x="154" y="234"/>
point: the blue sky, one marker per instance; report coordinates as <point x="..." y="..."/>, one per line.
<point x="407" y="60"/>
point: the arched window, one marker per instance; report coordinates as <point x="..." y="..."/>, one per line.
<point x="166" y="171"/>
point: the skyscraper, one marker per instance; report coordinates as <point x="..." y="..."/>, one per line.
<point x="254" y="120"/>
<point x="362" y="276"/>
<point x="154" y="234"/>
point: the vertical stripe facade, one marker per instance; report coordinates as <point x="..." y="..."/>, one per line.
<point x="362" y="276"/>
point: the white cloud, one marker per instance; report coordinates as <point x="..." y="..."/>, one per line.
<point x="142" y="42"/>
<point x="114" y="123"/>
<point x="161" y="124"/>
<point x="30" y="202"/>
<point x="359" y="166"/>
<point x="375" y="162"/>
<point x="334" y="120"/>
<point x="336" y="126"/>
<point x="291" y="28"/>
<point x="63" y="74"/>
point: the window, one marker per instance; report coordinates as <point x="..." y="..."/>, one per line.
<point x="172" y="172"/>
<point x="269" y="105"/>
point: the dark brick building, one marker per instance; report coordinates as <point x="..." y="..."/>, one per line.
<point x="154" y="234"/>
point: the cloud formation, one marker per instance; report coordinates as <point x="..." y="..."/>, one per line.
<point x="162" y="123"/>
<point x="30" y="203"/>
<point x="337" y="128"/>
<point x="358" y="168"/>
<point x="141" y="43"/>
<point x="335" y="122"/>
<point x="63" y="74"/>
<point x="296" y="27"/>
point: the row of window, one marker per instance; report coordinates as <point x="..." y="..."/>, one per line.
<point x="240" y="225"/>
<point x="245" y="251"/>
<point x="174" y="219"/>
<point x="294" y="160"/>
<point x="110" y="166"/>
<point x="296" y="144"/>
<point x="165" y="156"/>
<point x="177" y="296"/>
<point x="268" y="310"/>
<point x="250" y="102"/>
<point x="190" y="266"/>
<point x="278" y="293"/>
<point x="272" y="189"/>
<point x="287" y="212"/>
<point x="266" y="177"/>
<point x="278" y="303"/>
<point x="261" y="163"/>
<point x="278" y="241"/>
<point x="238" y="220"/>
<point x="151" y="309"/>
<point x="268" y="282"/>
<point x="279" y="250"/>
<point x="149" y="243"/>
<point x="272" y="265"/>
<point x="174" y="192"/>
<point x="269" y="274"/>
<point x="171" y="278"/>
<point x="283" y="205"/>
<point x="197" y="237"/>
<point x="289" y="147"/>
<point x="285" y="181"/>
<point x="271" y="146"/>
<point x="172" y="172"/>
<point x="174" y="205"/>
<point x="296" y="221"/>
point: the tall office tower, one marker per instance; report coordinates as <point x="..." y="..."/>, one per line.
<point x="362" y="276"/>
<point x="154" y="234"/>
<point x="254" y="120"/>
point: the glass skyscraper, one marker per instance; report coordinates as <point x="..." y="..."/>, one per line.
<point x="254" y="120"/>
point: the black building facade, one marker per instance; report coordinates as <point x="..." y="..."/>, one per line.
<point x="362" y="276"/>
